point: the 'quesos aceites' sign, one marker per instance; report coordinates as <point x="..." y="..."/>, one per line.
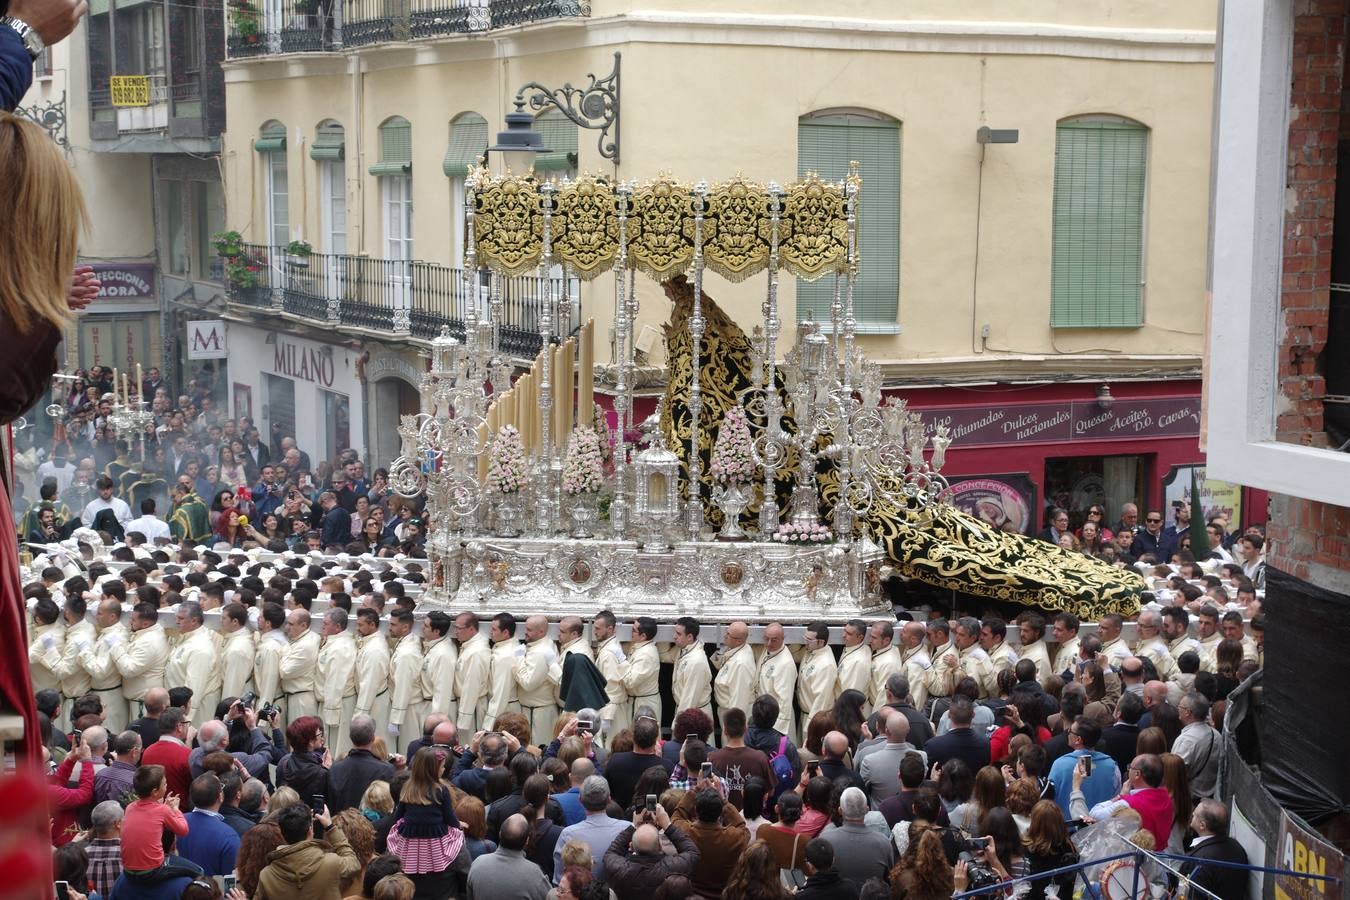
<point x="1067" y="421"/>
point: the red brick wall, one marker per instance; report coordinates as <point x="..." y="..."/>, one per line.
<point x="1314" y="131"/>
<point x="1308" y="539"/>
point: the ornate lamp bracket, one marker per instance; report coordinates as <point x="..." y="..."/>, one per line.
<point x="595" y="107"/>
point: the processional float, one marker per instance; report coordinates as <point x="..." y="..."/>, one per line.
<point x="759" y="489"/>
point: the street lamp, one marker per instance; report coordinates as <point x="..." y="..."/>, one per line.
<point x="519" y="144"/>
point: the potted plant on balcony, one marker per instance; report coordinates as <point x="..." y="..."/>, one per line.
<point x="243" y="272"/>
<point x="227" y="244"/>
<point x="246" y="22"/>
<point x="297" y="254"/>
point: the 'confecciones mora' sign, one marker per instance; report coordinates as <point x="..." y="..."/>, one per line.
<point x="1078" y="420"/>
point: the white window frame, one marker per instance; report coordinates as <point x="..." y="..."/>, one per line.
<point x="270" y="180"/>
<point x="457" y="220"/>
<point x="1246" y="262"/>
<point x="396" y="194"/>
<point x="333" y="192"/>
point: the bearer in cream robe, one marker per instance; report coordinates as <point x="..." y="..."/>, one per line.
<point x="777" y="677"/>
<point x="299" y="666"/>
<point x="335" y="680"/>
<point x="691" y="678"/>
<point x="734" y="686"/>
<point x="641" y="673"/>
<point x="534" y="689"/>
<point x="506" y="655"/>
<point x="194" y="663"/>
<point x="471" y="675"/>
<point x="816" y="675"/>
<point x="236" y="653"/>
<point x="405" y="682"/>
<point x="372" y="668"/>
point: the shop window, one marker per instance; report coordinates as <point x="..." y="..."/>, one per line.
<point x="826" y="143"/>
<point x="280" y="408"/>
<point x="1097" y="267"/>
<point x="337" y="415"/>
<point x="1076" y="483"/>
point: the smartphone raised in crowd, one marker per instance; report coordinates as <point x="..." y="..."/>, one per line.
<point x="705" y="770"/>
<point x="651" y="803"/>
<point x="316" y="803"/>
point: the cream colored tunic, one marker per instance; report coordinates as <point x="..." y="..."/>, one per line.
<point x="734" y="686"/>
<point x="75" y="681"/>
<point x="855" y="670"/>
<point x="1039" y="654"/>
<point x="609" y="659"/>
<point x="884" y="664"/>
<point x="1208" y="650"/>
<point x="141" y="660"/>
<point x="405" y="685"/>
<point x="1117" y="652"/>
<point x="502" y="681"/>
<point x="194" y="664"/>
<point x="335" y="677"/>
<point x="1001" y="656"/>
<point x="471" y="683"/>
<point x="44" y="653"/>
<point x="917" y="667"/>
<point x="439" y="661"/>
<point x="536" y="690"/>
<point x="299" y="667"/>
<point x="778" y="678"/>
<point x="1066" y="657"/>
<point x="937" y="676"/>
<point x="236" y="664"/>
<point x="816" y="678"/>
<point x="1155" y="650"/>
<point x="372" y="677"/>
<point x="272" y="647"/>
<point x="691" y="680"/>
<point x="975" y="663"/>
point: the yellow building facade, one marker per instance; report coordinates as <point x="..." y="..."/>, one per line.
<point x="981" y="267"/>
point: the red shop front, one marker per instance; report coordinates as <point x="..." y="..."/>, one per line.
<point x="1031" y="447"/>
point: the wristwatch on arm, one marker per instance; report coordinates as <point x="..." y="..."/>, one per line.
<point x="32" y="41"/>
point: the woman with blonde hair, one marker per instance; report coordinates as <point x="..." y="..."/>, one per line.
<point x="394" y="887"/>
<point x="281" y="798"/>
<point x="377" y="802"/>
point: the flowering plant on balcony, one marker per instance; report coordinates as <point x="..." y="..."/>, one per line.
<point x="731" y="459"/>
<point x="814" y="533"/>
<point x="244" y="272"/>
<point x="246" y="21"/>
<point x="227" y="244"/>
<point x="506" y="462"/>
<point x="299" y="248"/>
<point x="582" y="473"/>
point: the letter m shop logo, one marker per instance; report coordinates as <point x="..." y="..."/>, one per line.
<point x="207" y="339"/>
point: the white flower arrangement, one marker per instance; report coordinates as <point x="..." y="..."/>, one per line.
<point x="815" y="533"/>
<point x="582" y="467"/>
<point x="732" y="462"/>
<point x="506" y="464"/>
<point x="602" y="433"/>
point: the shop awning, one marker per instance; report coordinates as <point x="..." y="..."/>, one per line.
<point x="468" y="141"/>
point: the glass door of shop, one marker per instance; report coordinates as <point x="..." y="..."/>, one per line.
<point x="1076" y="483"/>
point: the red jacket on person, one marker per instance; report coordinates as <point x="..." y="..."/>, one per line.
<point x="1155" y="809"/>
<point x="173" y="756"/>
<point x="65" y="802"/>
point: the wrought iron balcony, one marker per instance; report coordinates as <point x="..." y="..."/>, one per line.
<point x="386" y="296"/>
<point x="266" y="27"/>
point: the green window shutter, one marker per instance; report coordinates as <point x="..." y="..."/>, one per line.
<point x="826" y="145"/>
<point x="1097" y="265"/>
<point x="329" y="144"/>
<point x="468" y="141"/>
<point x="395" y="149"/>
<point x="272" y="139"/>
<point x="560" y="140"/>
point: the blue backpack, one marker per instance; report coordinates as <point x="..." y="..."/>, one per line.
<point x="784" y="780"/>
